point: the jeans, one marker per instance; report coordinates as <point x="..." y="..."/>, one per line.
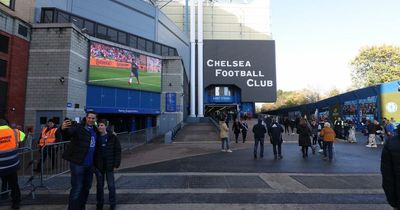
<point x="328" y="145"/>
<point x="225" y="141"/>
<point x="279" y="149"/>
<point x="12" y="181"/>
<point x="109" y="175"/>
<point x="256" y="142"/>
<point x="81" y="182"/>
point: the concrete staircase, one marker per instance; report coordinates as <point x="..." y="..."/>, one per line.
<point x="197" y="132"/>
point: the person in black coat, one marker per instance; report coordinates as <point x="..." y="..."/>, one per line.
<point x="80" y="153"/>
<point x="236" y="129"/>
<point x="275" y="133"/>
<point x="107" y="158"/>
<point x="244" y="126"/>
<point x="390" y="169"/>
<point x="304" y="137"/>
<point x="259" y="131"/>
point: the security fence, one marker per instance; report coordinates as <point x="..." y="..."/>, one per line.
<point x="133" y="139"/>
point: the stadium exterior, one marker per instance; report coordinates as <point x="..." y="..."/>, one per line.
<point x="220" y="25"/>
<point x="60" y="64"/>
<point x="67" y="46"/>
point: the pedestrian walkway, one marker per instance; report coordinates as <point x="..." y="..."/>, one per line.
<point x="197" y="175"/>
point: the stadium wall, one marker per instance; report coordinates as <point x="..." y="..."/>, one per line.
<point x="133" y="16"/>
<point x="56" y="82"/>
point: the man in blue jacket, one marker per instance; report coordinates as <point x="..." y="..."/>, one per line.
<point x="80" y="153"/>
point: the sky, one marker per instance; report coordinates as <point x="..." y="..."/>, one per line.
<point x="317" y="39"/>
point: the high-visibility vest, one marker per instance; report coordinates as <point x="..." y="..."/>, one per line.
<point x="9" y="142"/>
<point x="9" y="139"/>
<point x="47" y="137"/>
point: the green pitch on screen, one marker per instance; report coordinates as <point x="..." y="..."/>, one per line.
<point x="116" y="77"/>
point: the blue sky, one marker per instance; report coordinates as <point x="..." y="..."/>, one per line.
<point x="317" y="39"/>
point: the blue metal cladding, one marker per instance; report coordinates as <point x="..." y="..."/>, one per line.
<point x="116" y="100"/>
<point x="370" y="95"/>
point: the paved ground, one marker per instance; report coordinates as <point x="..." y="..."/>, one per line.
<point x="192" y="173"/>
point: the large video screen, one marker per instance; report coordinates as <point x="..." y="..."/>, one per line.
<point x="116" y="67"/>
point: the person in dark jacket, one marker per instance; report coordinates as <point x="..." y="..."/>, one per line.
<point x="236" y="129"/>
<point x="259" y="131"/>
<point x="304" y="137"/>
<point x="80" y="153"/>
<point x="244" y="126"/>
<point x="275" y="133"/>
<point x="314" y="134"/>
<point x="107" y="158"/>
<point x="390" y="169"/>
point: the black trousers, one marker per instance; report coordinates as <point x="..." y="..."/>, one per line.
<point x="279" y="152"/>
<point x="244" y="134"/>
<point x="236" y="137"/>
<point x="12" y="181"/>
<point x="50" y="151"/>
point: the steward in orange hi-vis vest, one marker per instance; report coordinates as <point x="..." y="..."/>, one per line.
<point x="9" y="142"/>
<point x="48" y="136"/>
<point x="9" y="160"/>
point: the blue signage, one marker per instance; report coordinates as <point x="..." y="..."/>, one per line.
<point x="221" y="99"/>
<point x="170" y="102"/>
<point x="69" y="105"/>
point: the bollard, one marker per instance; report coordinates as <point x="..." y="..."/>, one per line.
<point x="168" y="138"/>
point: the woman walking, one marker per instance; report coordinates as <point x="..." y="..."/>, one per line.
<point x="304" y="137"/>
<point x="329" y="135"/>
<point x="224" y="134"/>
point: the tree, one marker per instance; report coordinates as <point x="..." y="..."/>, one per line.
<point x="375" y="65"/>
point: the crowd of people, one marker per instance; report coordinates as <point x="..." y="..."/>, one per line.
<point x="112" y="53"/>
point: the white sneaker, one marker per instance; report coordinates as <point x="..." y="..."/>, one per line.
<point x="222" y="150"/>
<point x="374" y="146"/>
<point x="229" y="150"/>
<point x="368" y="145"/>
<point x="321" y="150"/>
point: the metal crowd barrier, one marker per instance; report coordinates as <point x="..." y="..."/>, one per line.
<point x="133" y="139"/>
<point x="51" y="162"/>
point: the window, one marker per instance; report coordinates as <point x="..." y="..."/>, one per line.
<point x="3" y="68"/>
<point x="9" y="3"/>
<point x="22" y="30"/>
<point x="48" y="16"/>
<point x="77" y="21"/>
<point x="62" y="17"/>
<point x="122" y="37"/>
<point x="3" y="95"/>
<point x="133" y="41"/>
<point x="141" y="44"/>
<point x="4" y="43"/>
<point x="112" y="35"/>
<point x="157" y="49"/>
<point x="101" y="32"/>
<point x="89" y="27"/>
<point x="164" y="51"/>
<point x="43" y="120"/>
<point x="149" y="46"/>
<point x="171" y="52"/>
